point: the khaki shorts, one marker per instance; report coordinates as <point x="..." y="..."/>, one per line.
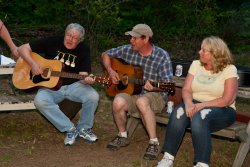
<point x="157" y="103"/>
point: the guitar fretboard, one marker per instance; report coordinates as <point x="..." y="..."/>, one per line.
<point x="67" y="75"/>
<point x="142" y="82"/>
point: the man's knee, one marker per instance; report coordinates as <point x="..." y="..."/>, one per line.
<point x="118" y="102"/>
<point x="40" y="102"/>
<point x="94" y="96"/>
<point x="142" y="101"/>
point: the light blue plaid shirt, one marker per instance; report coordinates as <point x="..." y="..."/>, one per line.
<point x="155" y="67"/>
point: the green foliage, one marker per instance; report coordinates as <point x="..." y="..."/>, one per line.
<point x="100" y="19"/>
<point x="34" y="12"/>
<point x="178" y="25"/>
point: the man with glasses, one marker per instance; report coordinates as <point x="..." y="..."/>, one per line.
<point x="75" y="56"/>
<point x="156" y="66"/>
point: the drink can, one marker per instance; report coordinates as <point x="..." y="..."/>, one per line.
<point x="170" y="107"/>
<point x="178" y="70"/>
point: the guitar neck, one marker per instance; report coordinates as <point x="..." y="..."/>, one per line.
<point x="142" y="82"/>
<point x="67" y="75"/>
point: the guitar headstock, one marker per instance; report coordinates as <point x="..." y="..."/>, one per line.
<point x="167" y="86"/>
<point x="104" y="80"/>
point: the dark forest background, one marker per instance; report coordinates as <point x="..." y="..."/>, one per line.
<point x="178" y="25"/>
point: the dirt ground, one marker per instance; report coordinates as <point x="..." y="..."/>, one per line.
<point x="28" y="140"/>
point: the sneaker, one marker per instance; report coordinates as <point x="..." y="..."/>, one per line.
<point x="71" y="136"/>
<point x="152" y="151"/>
<point x="118" y="142"/>
<point x="200" y="164"/>
<point x="166" y="162"/>
<point x="87" y="135"/>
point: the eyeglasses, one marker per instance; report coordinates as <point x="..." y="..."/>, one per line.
<point x="74" y="38"/>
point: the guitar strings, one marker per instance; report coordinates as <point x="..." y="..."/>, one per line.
<point x="66" y="56"/>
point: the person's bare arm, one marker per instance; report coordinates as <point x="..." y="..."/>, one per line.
<point x="4" y="33"/>
<point x="24" y="51"/>
<point x="187" y="95"/>
<point x="107" y="64"/>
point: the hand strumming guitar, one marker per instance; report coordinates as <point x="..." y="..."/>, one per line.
<point x="114" y="76"/>
<point x="36" y="68"/>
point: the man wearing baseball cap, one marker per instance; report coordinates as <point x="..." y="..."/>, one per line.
<point x="156" y="66"/>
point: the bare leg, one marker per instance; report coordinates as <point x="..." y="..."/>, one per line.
<point x="120" y="117"/>
<point x="148" y="116"/>
<point x="120" y="113"/>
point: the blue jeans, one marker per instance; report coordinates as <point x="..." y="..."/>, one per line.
<point x="203" y="123"/>
<point x="46" y="101"/>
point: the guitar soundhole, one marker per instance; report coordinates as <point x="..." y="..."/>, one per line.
<point x="37" y="78"/>
<point x="120" y="86"/>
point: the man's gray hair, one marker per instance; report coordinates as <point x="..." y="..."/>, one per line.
<point x="78" y="28"/>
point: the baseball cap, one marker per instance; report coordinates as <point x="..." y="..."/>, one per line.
<point x="139" y="30"/>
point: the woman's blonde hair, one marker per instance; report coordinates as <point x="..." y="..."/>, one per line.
<point x="222" y="56"/>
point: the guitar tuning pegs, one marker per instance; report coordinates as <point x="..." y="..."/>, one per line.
<point x="67" y="62"/>
<point x="62" y="59"/>
<point x="57" y="57"/>
<point x="72" y="64"/>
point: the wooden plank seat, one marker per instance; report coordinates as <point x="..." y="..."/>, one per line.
<point x="16" y="102"/>
<point x="25" y="102"/>
<point x="6" y="69"/>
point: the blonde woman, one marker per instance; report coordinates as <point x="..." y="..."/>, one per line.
<point x="208" y="105"/>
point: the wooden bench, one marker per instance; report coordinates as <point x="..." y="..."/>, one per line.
<point x="239" y="131"/>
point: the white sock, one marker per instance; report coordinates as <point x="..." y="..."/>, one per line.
<point x="171" y="157"/>
<point x="202" y="164"/>
<point x="154" y="140"/>
<point x="123" y="134"/>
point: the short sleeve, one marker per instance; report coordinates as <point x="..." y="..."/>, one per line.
<point x="194" y="67"/>
<point x="231" y="72"/>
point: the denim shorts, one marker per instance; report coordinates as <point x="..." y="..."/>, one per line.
<point x="157" y="103"/>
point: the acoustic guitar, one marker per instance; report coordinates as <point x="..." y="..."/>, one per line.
<point x="131" y="81"/>
<point x="23" y="78"/>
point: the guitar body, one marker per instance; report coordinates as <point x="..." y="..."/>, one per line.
<point x="125" y="70"/>
<point x="22" y="77"/>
